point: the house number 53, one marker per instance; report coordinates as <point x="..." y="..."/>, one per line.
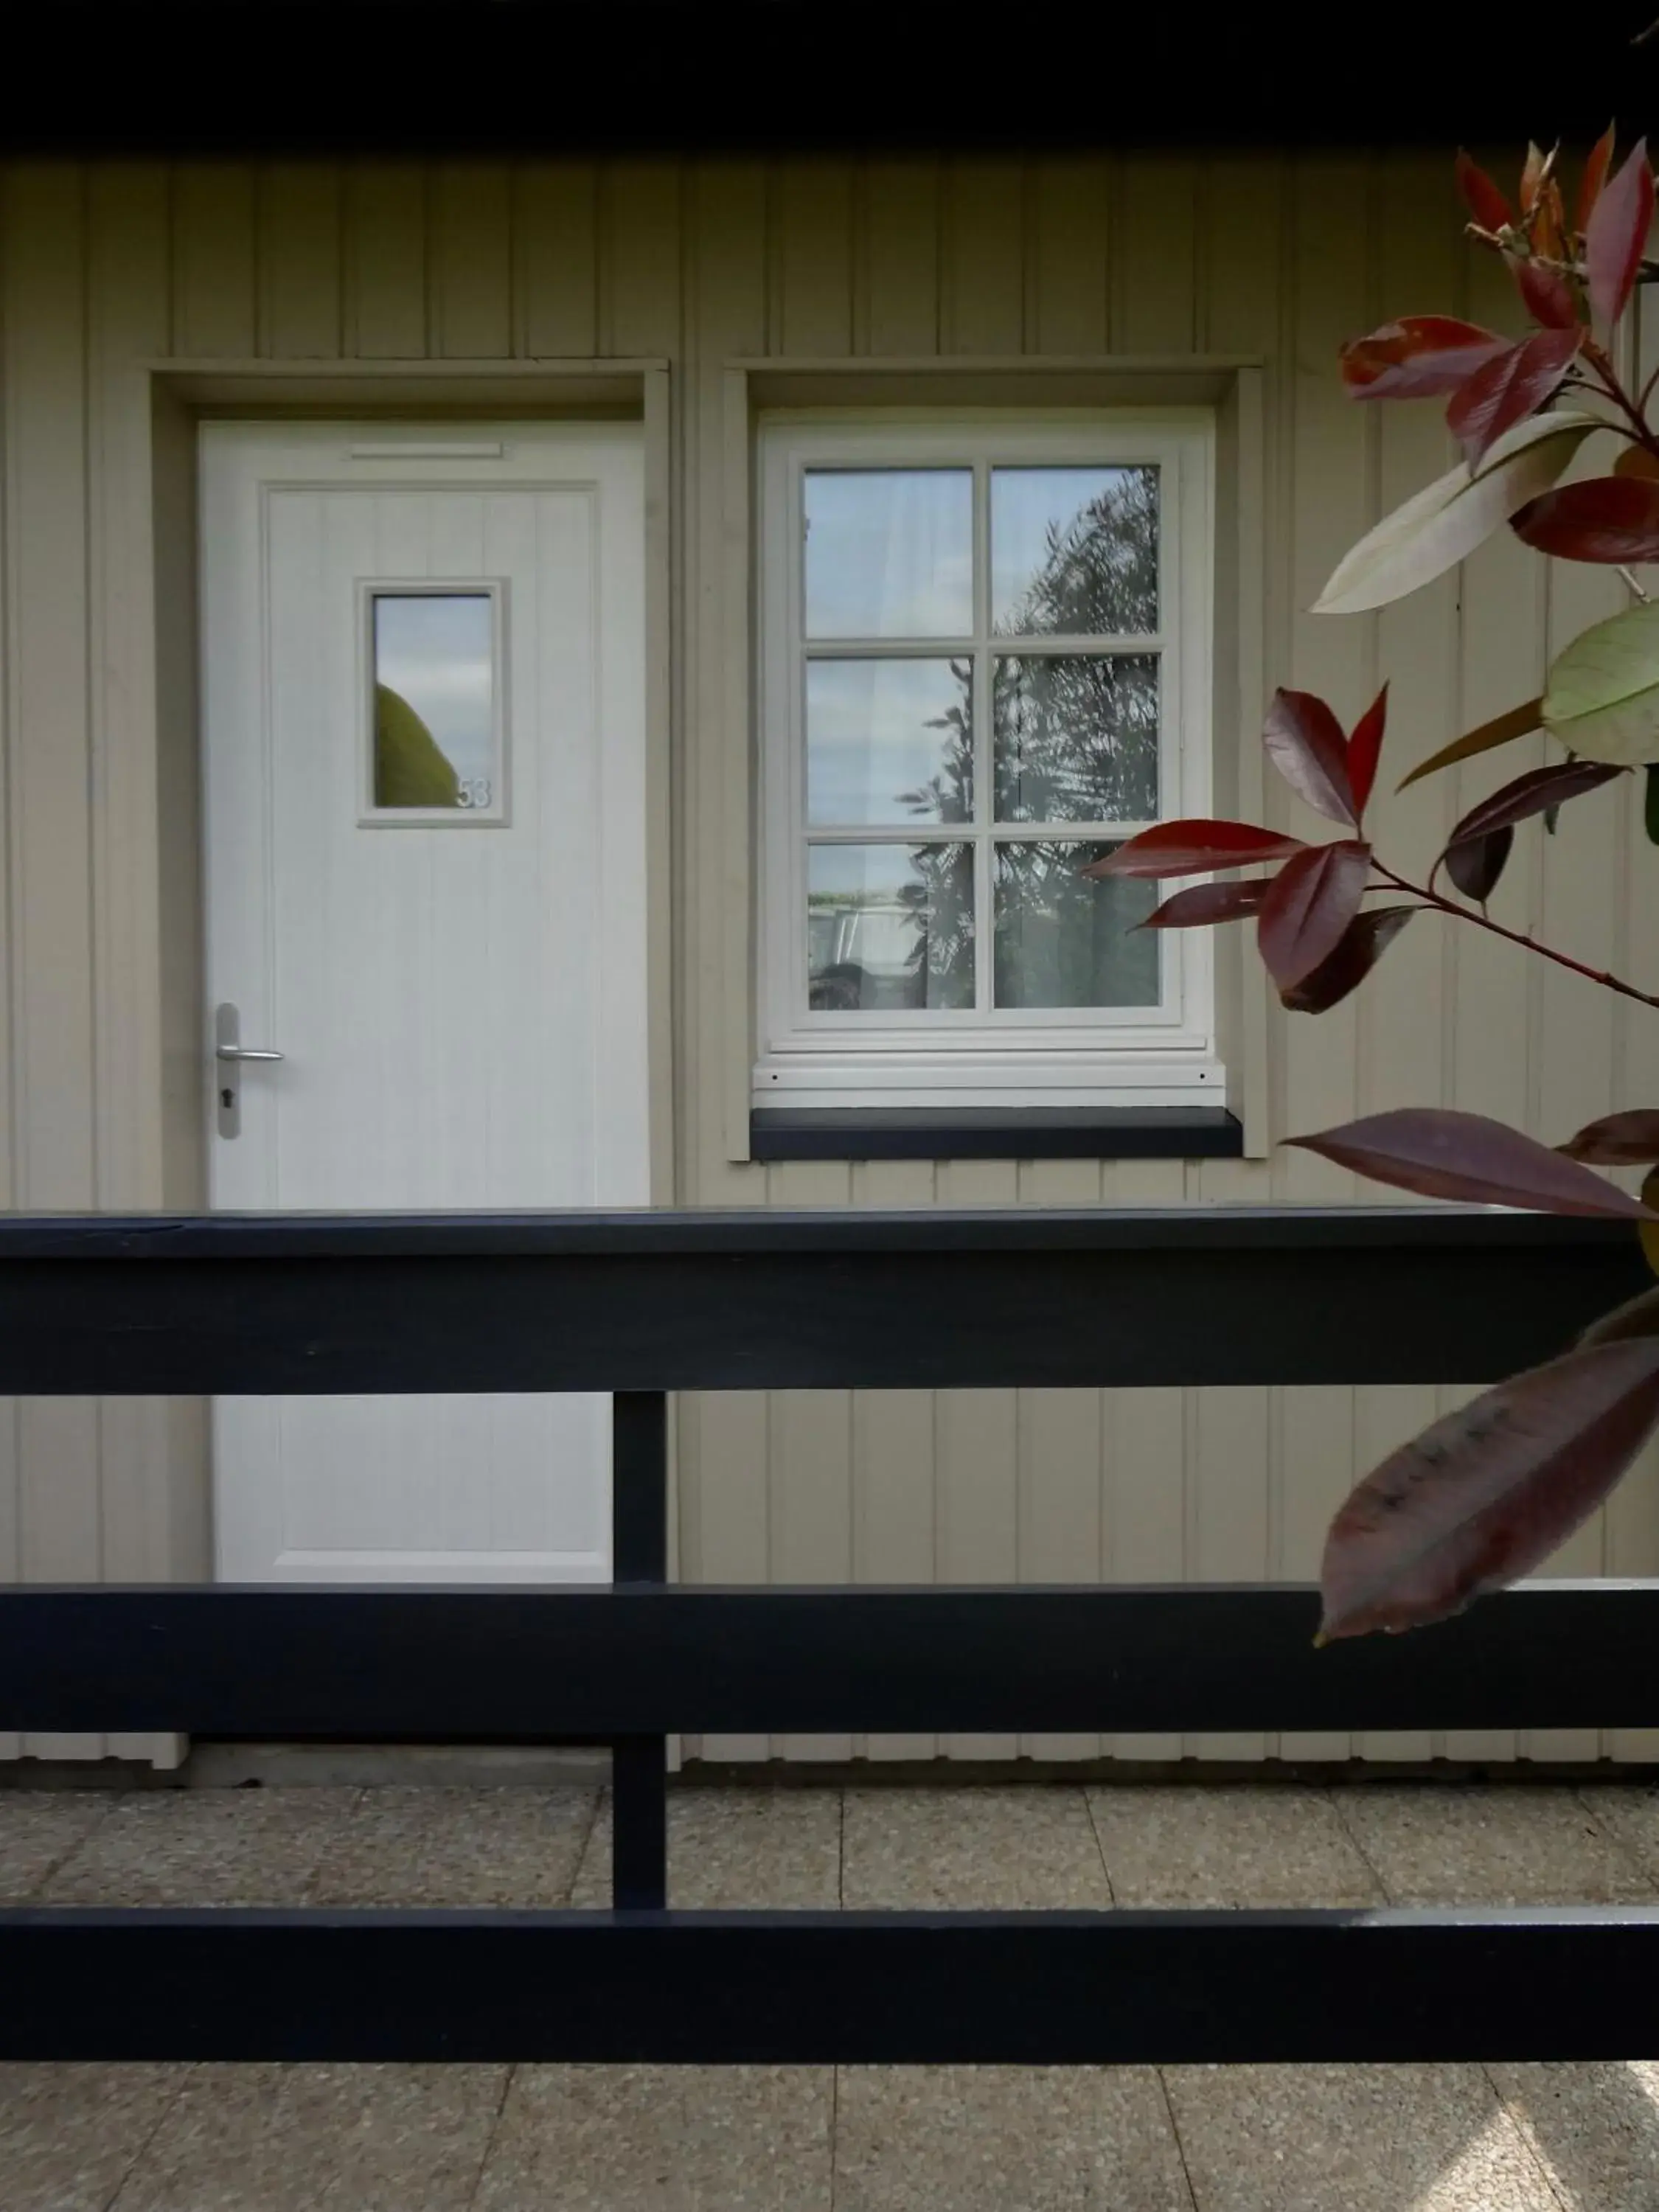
<point x="473" y="791"/>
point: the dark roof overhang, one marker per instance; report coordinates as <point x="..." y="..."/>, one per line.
<point x="550" y="77"/>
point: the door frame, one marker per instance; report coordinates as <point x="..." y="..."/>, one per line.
<point x="179" y="395"/>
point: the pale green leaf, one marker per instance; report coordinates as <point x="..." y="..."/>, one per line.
<point x="1446" y="521"/>
<point x="1602" y="697"/>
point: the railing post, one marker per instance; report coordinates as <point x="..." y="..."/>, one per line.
<point x="639" y="1548"/>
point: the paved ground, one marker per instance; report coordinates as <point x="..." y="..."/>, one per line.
<point x="620" y="2139"/>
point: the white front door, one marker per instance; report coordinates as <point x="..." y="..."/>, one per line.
<point x="424" y="726"/>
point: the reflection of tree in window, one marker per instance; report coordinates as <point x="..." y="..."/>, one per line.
<point x="1075" y="740"/>
<point x="1099" y="572"/>
<point x="940" y="899"/>
<point x="948" y="795"/>
<point x="411" y="768"/>
<point x="1061" y="941"/>
<point x="1076" y="737"/>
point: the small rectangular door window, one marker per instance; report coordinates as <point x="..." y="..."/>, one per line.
<point x="434" y="723"/>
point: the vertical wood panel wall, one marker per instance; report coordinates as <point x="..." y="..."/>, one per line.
<point x="107" y="266"/>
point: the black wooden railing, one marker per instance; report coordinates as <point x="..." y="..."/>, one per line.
<point x="640" y="1305"/>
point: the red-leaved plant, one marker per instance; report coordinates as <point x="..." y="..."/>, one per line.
<point x="1488" y="1492"/>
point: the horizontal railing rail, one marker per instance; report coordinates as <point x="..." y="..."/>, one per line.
<point x="643" y="1305"/>
<point x="818" y="1988"/>
<point x="689" y="1301"/>
<point x="516" y="1665"/>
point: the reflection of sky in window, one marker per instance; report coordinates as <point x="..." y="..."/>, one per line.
<point x="860" y="872"/>
<point x="890" y="552"/>
<point x="868" y="742"/>
<point x="1025" y="505"/>
<point x="436" y="652"/>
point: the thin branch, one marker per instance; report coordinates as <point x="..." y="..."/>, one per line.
<point x="1484" y="921"/>
<point x="1644" y="438"/>
<point x="1608" y="377"/>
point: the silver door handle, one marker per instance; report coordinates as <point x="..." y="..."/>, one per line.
<point x="227" y="1038"/>
<point x="229" y="1051"/>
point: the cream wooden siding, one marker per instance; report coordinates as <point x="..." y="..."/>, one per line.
<point x="703" y="263"/>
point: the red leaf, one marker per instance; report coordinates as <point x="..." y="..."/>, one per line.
<point x="1595" y="176"/>
<point x="1509" y="389"/>
<point x="1482" y="198"/>
<point x="1439" y="1153"/>
<point x="1637" y="461"/>
<point x="1366" y="939"/>
<point x="1305" y="743"/>
<point x="1549" y="298"/>
<point x="1475" y="865"/>
<point x="1207" y="902"/>
<point x="1617" y="1140"/>
<point x="1486" y="1494"/>
<point x="1365" y="747"/>
<point x="1310" y="904"/>
<point x="1417" y="356"/>
<point x="1616" y="235"/>
<point x="1535" y="792"/>
<point x="1599" y="519"/>
<point x="1194" y="848"/>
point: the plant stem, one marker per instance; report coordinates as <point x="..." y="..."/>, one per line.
<point x="1608" y="377"/>
<point x="1483" y="920"/>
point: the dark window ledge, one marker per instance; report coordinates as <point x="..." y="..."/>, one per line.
<point x="995" y="1133"/>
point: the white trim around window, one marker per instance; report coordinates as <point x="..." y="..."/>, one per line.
<point x="949" y="1039"/>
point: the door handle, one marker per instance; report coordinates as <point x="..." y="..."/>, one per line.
<point x="230" y="1052"/>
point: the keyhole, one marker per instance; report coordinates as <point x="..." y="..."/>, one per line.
<point x="227" y="1099"/>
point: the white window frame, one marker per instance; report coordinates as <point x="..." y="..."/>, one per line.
<point x="1112" y="1056"/>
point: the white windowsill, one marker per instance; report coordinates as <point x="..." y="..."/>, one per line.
<point x="818" y="1081"/>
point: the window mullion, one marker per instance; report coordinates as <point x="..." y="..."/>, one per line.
<point x="984" y="893"/>
<point x="984" y="750"/>
<point x="799" y="936"/>
<point x="888" y="833"/>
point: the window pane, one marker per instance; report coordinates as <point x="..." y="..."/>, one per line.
<point x="434" y="714"/>
<point x="1074" y="551"/>
<point x="890" y="553"/>
<point x="1064" y="939"/>
<point x="889" y="926"/>
<point x="1075" y="737"/>
<point x="890" y="740"/>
